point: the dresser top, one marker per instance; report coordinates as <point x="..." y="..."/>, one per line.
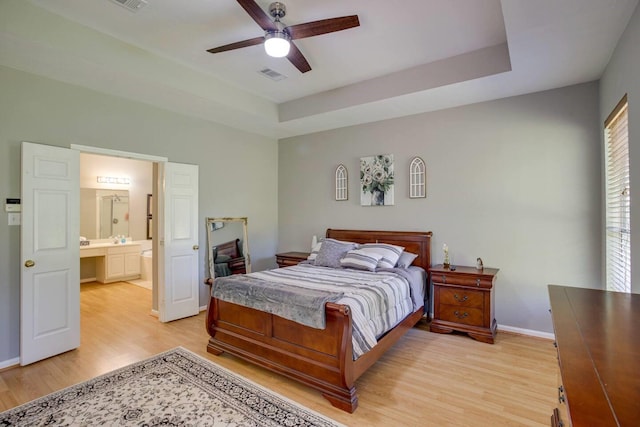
<point x="598" y="338"/>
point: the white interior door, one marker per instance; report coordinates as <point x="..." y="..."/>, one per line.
<point x="178" y="294"/>
<point x="50" y="252"/>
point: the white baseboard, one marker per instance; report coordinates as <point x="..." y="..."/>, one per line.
<point x="529" y="332"/>
<point x="521" y="331"/>
<point x="88" y="279"/>
<point x="203" y="308"/>
<point x="9" y="363"/>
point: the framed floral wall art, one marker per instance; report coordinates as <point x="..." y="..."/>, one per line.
<point x="376" y="179"/>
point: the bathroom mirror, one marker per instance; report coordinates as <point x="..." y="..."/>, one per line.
<point x="227" y="246"/>
<point x="104" y="213"/>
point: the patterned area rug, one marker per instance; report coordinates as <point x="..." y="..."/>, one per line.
<point x="176" y="388"/>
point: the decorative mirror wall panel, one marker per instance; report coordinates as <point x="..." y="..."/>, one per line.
<point x="417" y="178"/>
<point x="342" y="183"/>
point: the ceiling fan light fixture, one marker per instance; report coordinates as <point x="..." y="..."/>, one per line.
<point x="276" y="44"/>
<point x="278" y="37"/>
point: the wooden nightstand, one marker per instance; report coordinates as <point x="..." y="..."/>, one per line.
<point x="287" y="259"/>
<point x="463" y="300"/>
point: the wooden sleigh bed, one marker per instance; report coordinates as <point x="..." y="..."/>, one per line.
<point x="319" y="358"/>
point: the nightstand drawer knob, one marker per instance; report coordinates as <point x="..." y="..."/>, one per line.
<point x="477" y="282"/>
<point x="444" y="279"/>
<point x="460" y="316"/>
<point x="463" y="299"/>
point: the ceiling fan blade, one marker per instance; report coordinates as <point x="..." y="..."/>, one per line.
<point x="237" y="45"/>
<point x="258" y="15"/>
<point x="323" y="26"/>
<point x="297" y="59"/>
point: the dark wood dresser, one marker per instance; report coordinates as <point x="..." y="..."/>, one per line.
<point x="463" y="300"/>
<point x="287" y="259"/>
<point x="598" y="342"/>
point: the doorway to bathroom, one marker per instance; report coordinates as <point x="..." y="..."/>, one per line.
<point x="115" y="206"/>
<point x="174" y="232"/>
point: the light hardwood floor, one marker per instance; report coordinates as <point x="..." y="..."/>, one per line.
<point x="426" y="379"/>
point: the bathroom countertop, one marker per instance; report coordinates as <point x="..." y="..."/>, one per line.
<point x="106" y="243"/>
<point x="99" y="248"/>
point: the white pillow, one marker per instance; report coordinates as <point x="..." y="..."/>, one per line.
<point x="314" y="252"/>
<point x="361" y="260"/>
<point x="390" y="253"/>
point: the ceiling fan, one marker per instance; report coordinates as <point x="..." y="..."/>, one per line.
<point x="278" y="38"/>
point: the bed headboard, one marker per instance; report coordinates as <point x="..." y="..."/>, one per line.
<point x="230" y="248"/>
<point x="417" y="242"/>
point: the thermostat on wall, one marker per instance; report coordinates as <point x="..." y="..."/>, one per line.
<point x="13" y="205"/>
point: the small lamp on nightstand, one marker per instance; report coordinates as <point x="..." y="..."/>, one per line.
<point x="445" y="262"/>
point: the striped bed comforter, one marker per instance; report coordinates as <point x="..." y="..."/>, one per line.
<point x="378" y="300"/>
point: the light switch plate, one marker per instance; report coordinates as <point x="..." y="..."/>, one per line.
<point x="14" y="218"/>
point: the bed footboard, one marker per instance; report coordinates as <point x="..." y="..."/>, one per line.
<point x="319" y="358"/>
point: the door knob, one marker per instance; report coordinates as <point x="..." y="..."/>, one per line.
<point x="29" y="263"/>
<point x="196" y="247"/>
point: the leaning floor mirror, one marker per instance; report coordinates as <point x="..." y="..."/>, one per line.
<point x="227" y="247"/>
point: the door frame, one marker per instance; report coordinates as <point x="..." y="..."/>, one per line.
<point x="117" y="153"/>
<point x="158" y="191"/>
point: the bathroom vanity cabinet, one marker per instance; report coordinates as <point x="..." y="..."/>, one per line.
<point x="114" y="262"/>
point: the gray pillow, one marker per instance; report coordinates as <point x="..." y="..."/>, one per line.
<point x="406" y="258"/>
<point x="332" y="251"/>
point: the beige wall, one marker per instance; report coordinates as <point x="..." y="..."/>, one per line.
<point x="620" y="77"/>
<point x="238" y="170"/>
<point x="514" y="181"/>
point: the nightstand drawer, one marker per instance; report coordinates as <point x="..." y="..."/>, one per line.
<point x="462" y="297"/>
<point x="476" y="281"/>
<point x="285" y="262"/>
<point x="464" y="315"/>
<point x="287" y="259"/>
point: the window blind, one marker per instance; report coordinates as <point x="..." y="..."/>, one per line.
<point x="618" y="200"/>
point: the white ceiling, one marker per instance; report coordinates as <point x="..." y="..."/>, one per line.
<point x="406" y="57"/>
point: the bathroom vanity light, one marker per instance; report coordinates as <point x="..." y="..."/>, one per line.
<point x="113" y="180"/>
